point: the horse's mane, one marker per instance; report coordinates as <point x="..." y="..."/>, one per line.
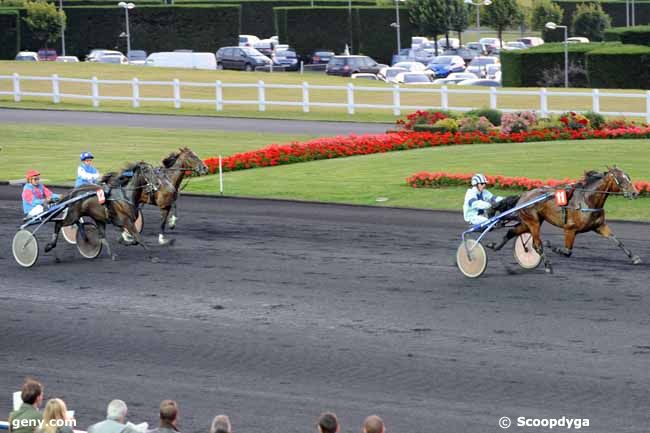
<point x="589" y="177"/>
<point x="117" y="178"/>
<point x="169" y="161"/>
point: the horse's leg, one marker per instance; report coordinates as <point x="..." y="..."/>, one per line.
<point x="512" y="233"/>
<point x="569" y="239"/>
<point x="130" y="227"/>
<point x="535" y="231"/>
<point x="101" y="229"/>
<point x="605" y="231"/>
<point x="173" y="218"/>
<point x="52" y="244"/>
<point x="164" y="214"/>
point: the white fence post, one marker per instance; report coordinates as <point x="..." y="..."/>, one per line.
<point x="56" y="93"/>
<point x="543" y="101"/>
<point x="219" y="95"/>
<point x="261" y="97"/>
<point x="493" y="97"/>
<point x="396" y="100"/>
<point x="16" y="88"/>
<point x="305" y="97"/>
<point x="135" y="85"/>
<point x="595" y="101"/>
<point x="177" y="93"/>
<point x="350" y="98"/>
<point x="94" y="88"/>
<point x="647" y="106"/>
<point x="444" y="97"/>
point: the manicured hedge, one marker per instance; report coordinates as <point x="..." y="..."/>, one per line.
<point x="615" y="9"/>
<point x="639" y="35"/>
<point x="621" y="67"/>
<point x="368" y="29"/>
<point x="10" y="34"/>
<point x="152" y="28"/>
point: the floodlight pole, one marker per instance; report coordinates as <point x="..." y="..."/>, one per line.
<point x="62" y="28"/>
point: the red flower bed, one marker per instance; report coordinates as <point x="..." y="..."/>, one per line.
<point x="341" y="147"/>
<point x="440" y="179"/>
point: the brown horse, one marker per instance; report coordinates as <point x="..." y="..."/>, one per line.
<point x="170" y="176"/>
<point x="584" y="212"/>
<point x="119" y="207"/>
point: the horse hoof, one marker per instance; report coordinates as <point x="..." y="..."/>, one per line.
<point x="48" y="248"/>
<point x="548" y="270"/>
<point x="122" y="241"/>
<point x="490" y="245"/>
<point x="115" y="258"/>
<point x="636" y="260"/>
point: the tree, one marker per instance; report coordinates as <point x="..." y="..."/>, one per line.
<point x="430" y="16"/>
<point x="459" y="17"/>
<point x="44" y="21"/>
<point x="502" y="14"/>
<point x="545" y="11"/>
<point x="589" y="20"/>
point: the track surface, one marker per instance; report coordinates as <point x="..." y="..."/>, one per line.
<point x="272" y="312"/>
<point x="85" y="118"/>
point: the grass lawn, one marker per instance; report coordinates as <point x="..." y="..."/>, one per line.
<point x="364" y="179"/>
<point x="54" y="150"/>
<point x="126" y="72"/>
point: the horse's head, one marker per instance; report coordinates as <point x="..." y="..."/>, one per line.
<point x="622" y="182"/>
<point x="191" y="161"/>
<point x="145" y="177"/>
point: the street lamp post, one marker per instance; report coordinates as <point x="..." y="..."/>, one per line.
<point x="62" y="28"/>
<point x="478" y="13"/>
<point x="126" y="7"/>
<point x="397" y="26"/>
<point x="552" y="26"/>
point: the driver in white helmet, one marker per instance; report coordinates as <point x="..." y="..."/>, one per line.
<point x="478" y="200"/>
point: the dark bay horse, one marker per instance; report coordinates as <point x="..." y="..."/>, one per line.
<point x="119" y="208"/>
<point x="584" y="212"/>
<point x="175" y="167"/>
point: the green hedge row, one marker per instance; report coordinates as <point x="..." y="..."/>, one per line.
<point x="619" y="67"/>
<point x="615" y="9"/>
<point x="10" y="34"/>
<point x="152" y="28"/>
<point x="639" y="35"/>
<point x="366" y="29"/>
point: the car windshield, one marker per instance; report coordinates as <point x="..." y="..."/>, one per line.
<point x="287" y="54"/>
<point x="251" y="52"/>
<point x="111" y="59"/>
<point x="324" y="53"/>
<point x="416" y="78"/>
<point x="442" y="60"/>
<point x="390" y="73"/>
<point x="482" y="62"/>
<point x="137" y="55"/>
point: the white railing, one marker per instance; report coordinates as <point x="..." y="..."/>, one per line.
<point x="216" y="88"/>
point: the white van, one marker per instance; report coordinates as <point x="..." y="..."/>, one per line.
<point x="248" y="40"/>
<point x="182" y="60"/>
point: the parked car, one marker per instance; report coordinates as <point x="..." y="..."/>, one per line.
<point x="137" y="57"/>
<point x="389" y="74"/>
<point x="67" y="59"/>
<point x="455" y="78"/>
<point x="410" y="66"/>
<point x="477" y="47"/>
<point x="46" y="54"/>
<point x="491" y="43"/>
<point x="493" y="72"/>
<point x="97" y="54"/>
<point x="405" y="55"/>
<point x="515" y="45"/>
<point x="453" y="43"/>
<point x="265" y="46"/>
<point x="242" y="58"/>
<point x="320" y="57"/>
<point x="578" y="40"/>
<point x="365" y="76"/>
<point x="480" y="82"/>
<point x="418" y="78"/>
<point x="418" y="41"/>
<point x="531" y="41"/>
<point x="26" y="56"/>
<point x="442" y="66"/>
<point x="118" y="59"/>
<point x="465" y="53"/>
<point x="348" y="65"/>
<point x="247" y="40"/>
<point x="287" y="59"/>
<point x="479" y="65"/>
<point x="182" y="60"/>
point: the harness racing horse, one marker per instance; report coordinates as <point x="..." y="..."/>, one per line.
<point x="175" y="167"/>
<point x="119" y="207"/>
<point x="584" y="212"/>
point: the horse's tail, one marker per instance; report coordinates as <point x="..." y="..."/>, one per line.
<point x="507" y="203"/>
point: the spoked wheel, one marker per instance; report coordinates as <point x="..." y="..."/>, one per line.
<point x="70" y="233"/>
<point x="90" y="245"/>
<point x="25" y="248"/>
<point x="471" y="258"/>
<point x="524" y="252"/>
<point x="139" y="221"/>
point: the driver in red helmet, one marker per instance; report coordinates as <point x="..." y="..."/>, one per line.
<point x="36" y="195"/>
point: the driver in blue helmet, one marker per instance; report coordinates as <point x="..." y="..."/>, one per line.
<point x="478" y="200"/>
<point x="86" y="172"/>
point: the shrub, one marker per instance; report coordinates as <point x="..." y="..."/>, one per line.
<point x="573" y="120"/>
<point x="591" y="21"/>
<point x="447" y="125"/>
<point x="520" y="121"/>
<point x="545" y="11"/>
<point x="422" y="117"/>
<point x="548" y="123"/>
<point x="638" y="35"/>
<point x="493" y="115"/>
<point x="596" y="120"/>
<point x="622" y="66"/>
<point x="471" y="124"/>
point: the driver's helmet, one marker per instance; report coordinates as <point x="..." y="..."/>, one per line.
<point x="86" y="155"/>
<point x="478" y="178"/>
<point x="31" y="173"/>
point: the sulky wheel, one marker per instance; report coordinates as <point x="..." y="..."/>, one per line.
<point x="88" y="242"/>
<point x="25" y="248"/>
<point x="471" y="258"/>
<point x="70" y="233"/>
<point x="524" y="252"/>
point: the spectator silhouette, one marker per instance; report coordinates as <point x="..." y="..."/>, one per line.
<point x="328" y="423"/>
<point x="115" y="421"/>
<point x="221" y="424"/>
<point x="32" y="397"/>
<point x="373" y="424"/>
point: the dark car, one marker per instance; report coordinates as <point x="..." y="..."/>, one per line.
<point x="47" y="54"/>
<point x="348" y="65"/>
<point x="243" y="58"/>
<point x="320" y="57"/>
<point x="287" y="59"/>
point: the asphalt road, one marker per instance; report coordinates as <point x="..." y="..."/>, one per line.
<point x="273" y="312"/>
<point x="86" y="118"/>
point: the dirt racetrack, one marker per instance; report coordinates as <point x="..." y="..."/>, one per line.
<point x="273" y="312"/>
